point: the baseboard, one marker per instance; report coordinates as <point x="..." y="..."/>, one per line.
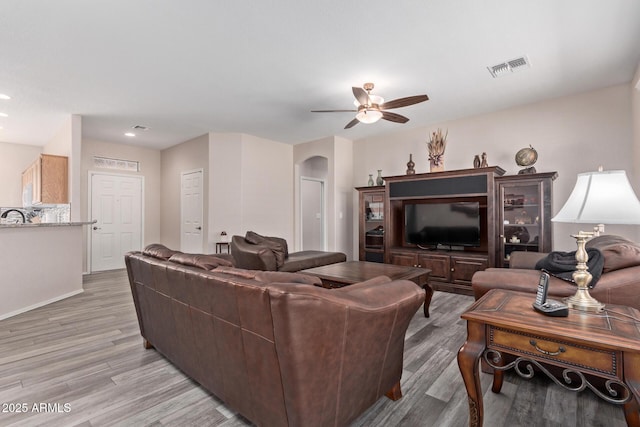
<point x="40" y="304"/>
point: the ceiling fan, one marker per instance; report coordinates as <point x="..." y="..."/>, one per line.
<point x="371" y="108"/>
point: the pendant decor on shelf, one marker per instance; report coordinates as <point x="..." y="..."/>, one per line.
<point x="379" y="180"/>
<point x="436" y="146"/>
<point x="411" y="166"/>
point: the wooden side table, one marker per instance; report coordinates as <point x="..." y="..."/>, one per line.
<point x="222" y="245"/>
<point x="590" y="349"/>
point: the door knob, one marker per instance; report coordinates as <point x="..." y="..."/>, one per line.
<point x="198" y="228"/>
<point x="96" y="228"/>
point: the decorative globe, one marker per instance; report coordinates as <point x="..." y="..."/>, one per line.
<point x="526" y="156"/>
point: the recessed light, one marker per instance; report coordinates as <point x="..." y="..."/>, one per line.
<point x="4" y="115"/>
<point x="3" y="96"/>
<point x="130" y="134"/>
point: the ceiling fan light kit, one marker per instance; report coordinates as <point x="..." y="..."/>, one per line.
<point x="366" y="115"/>
<point x="371" y="108"/>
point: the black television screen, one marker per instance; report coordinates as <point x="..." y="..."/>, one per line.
<point x="447" y="224"/>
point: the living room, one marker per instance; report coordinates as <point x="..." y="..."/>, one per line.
<point x="252" y="178"/>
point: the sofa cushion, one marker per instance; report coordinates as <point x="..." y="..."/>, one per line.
<point x="270" y="276"/>
<point x="618" y="252"/>
<point x="308" y="259"/>
<point x="275" y="244"/>
<point x="156" y="250"/>
<point x="205" y="262"/>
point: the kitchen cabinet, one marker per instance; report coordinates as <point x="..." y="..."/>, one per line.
<point x="46" y="181"/>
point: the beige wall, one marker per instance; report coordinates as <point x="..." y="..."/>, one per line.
<point x="571" y="134"/>
<point x="149" y="168"/>
<point x="635" y="117"/>
<point x="339" y="203"/>
<point x="187" y="156"/>
<point x="67" y="142"/>
<point x="14" y="159"/>
<point x="251" y="186"/>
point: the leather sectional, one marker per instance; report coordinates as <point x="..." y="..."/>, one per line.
<point x="273" y="346"/>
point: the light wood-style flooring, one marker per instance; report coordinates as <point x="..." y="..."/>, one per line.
<point x="80" y="362"/>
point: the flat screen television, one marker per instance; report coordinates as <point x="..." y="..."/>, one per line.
<point x="429" y="225"/>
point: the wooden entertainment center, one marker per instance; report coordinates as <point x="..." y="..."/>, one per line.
<point x="382" y="218"/>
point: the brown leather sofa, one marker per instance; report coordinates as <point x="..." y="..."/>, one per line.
<point x="619" y="283"/>
<point x="256" y="252"/>
<point x="274" y="347"/>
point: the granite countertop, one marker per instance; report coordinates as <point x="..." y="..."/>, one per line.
<point x="46" y="224"/>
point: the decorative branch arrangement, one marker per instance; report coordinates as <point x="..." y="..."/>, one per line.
<point x="436" y="146"/>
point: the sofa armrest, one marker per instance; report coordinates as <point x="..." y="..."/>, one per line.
<point x="252" y="257"/>
<point x="525" y="260"/>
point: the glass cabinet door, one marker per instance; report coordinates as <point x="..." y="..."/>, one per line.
<point x="524" y="214"/>
<point x="372" y="224"/>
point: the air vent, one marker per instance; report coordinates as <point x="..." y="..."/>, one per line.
<point x="140" y="127"/>
<point x="511" y="66"/>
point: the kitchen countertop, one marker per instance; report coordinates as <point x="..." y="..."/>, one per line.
<point x="46" y="224"/>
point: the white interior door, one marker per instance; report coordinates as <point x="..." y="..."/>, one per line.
<point x="191" y="212"/>
<point x="312" y="214"/>
<point x="116" y="205"/>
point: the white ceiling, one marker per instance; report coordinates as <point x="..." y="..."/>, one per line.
<point x="184" y="68"/>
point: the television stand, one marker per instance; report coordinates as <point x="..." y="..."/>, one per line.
<point x="451" y="270"/>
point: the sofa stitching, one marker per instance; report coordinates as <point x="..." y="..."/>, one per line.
<point x="342" y="358"/>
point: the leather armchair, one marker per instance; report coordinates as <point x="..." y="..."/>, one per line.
<point x="619" y="283"/>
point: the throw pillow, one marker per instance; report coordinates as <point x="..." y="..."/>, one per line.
<point x="276" y="246"/>
<point x="159" y="251"/>
<point x="205" y="262"/>
<point x="618" y="252"/>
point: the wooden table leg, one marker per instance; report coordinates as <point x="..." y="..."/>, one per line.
<point x="468" y="362"/>
<point x="632" y="379"/>
<point x="427" y="298"/>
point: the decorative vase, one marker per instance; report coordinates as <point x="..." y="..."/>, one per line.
<point x="379" y="180"/>
<point x="410" y="166"/>
<point x="370" y="183"/>
<point x="476" y="161"/>
<point x="439" y="167"/>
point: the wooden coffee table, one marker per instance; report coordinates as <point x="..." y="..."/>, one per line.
<point x="589" y="348"/>
<point x="350" y="272"/>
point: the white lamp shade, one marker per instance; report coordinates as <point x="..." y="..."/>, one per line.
<point x="603" y="197"/>
<point x="368" y="116"/>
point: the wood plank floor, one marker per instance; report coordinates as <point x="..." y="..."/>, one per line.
<point x="80" y="362"/>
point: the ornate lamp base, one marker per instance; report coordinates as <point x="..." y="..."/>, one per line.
<point x="582" y="300"/>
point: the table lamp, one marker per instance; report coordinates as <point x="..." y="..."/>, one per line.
<point x="602" y="197"/>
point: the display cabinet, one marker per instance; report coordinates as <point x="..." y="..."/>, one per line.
<point x="524" y="214"/>
<point x="371" y="223"/>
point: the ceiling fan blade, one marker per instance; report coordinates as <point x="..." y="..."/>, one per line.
<point x="334" y="111"/>
<point x="403" y="102"/>
<point x="361" y="95"/>
<point x="393" y="117"/>
<point x="352" y="123"/>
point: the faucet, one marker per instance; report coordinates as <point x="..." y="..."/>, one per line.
<point x="4" y="214"/>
